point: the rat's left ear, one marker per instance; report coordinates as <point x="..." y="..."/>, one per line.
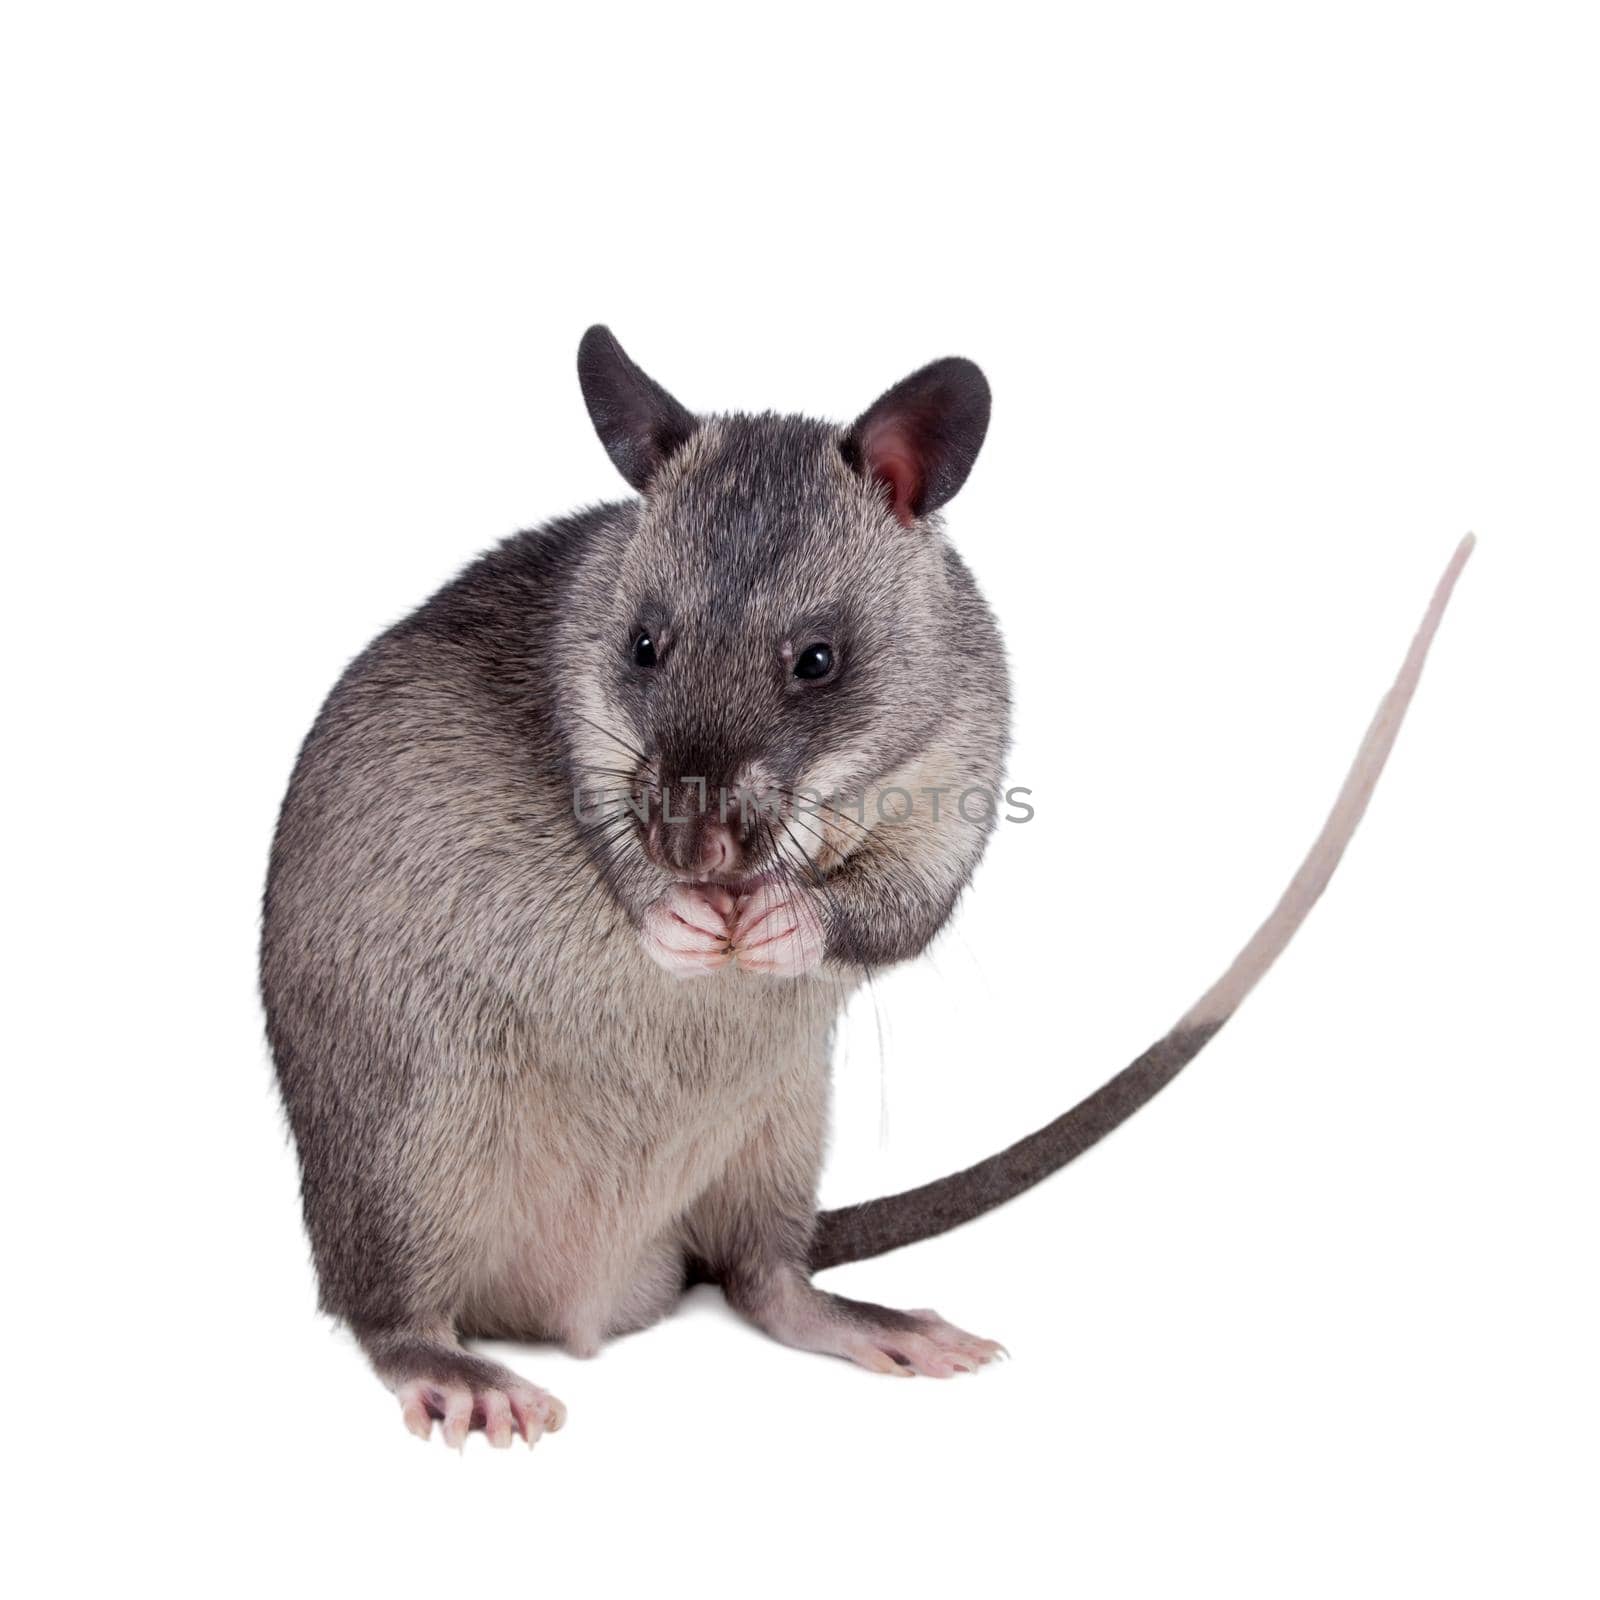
<point x="639" y="423"/>
<point x="920" y="439"/>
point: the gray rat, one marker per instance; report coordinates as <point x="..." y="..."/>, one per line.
<point x="581" y="861"/>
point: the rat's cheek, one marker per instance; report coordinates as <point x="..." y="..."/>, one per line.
<point x="779" y="934"/>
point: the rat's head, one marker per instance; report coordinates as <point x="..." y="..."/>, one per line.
<point x="777" y="617"/>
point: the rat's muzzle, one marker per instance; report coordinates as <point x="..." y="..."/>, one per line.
<point x="701" y="830"/>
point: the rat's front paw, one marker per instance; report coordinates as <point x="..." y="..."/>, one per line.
<point x="687" y="932"/>
<point x="777" y="931"/>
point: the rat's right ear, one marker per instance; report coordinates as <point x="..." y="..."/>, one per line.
<point x="639" y="423"/>
<point x="918" y="441"/>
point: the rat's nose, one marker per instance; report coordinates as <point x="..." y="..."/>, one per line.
<point x="699" y="846"/>
<point x="719" y="849"/>
<point x="699" y="832"/>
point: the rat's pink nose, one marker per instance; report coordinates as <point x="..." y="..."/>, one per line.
<point x="719" y="849"/>
<point x="698" y="846"/>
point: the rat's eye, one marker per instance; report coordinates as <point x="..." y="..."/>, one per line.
<point x="815" y="661"/>
<point x="644" y="651"/>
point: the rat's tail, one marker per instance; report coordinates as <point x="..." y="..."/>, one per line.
<point x="855" y="1232"/>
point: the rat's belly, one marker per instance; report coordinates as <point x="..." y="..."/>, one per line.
<point x="585" y="1257"/>
<point x="582" y="1238"/>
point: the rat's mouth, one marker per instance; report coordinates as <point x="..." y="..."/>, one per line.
<point x="736" y="884"/>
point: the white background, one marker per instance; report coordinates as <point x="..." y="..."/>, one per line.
<point x="1276" y="304"/>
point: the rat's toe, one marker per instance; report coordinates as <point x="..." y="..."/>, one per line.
<point x="536" y="1413"/>
<point x="497" y="1418"/>
<point x="414" y="1410"/>
<point x="458" y="1408"/>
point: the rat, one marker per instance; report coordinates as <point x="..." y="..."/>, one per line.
<point x="580" y="863"/>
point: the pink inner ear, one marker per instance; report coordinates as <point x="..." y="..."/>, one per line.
<point x="892" y="460"/>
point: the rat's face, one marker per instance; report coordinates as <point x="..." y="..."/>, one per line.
<point x="767" y="639"/>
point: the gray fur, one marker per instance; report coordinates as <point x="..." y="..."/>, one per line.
<point x="510" y="1121"/>
<point x="514" y="1122"/>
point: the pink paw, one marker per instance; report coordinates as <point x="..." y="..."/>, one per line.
<point x="516" y="1409"/>
<point x="686" y="932"/>
<point x="934" y="1348"/>
<point x="777" y="932"/>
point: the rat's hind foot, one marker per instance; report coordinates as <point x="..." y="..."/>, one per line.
<point x="436" y="1381"/>
<point x="903" y="1343"/>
